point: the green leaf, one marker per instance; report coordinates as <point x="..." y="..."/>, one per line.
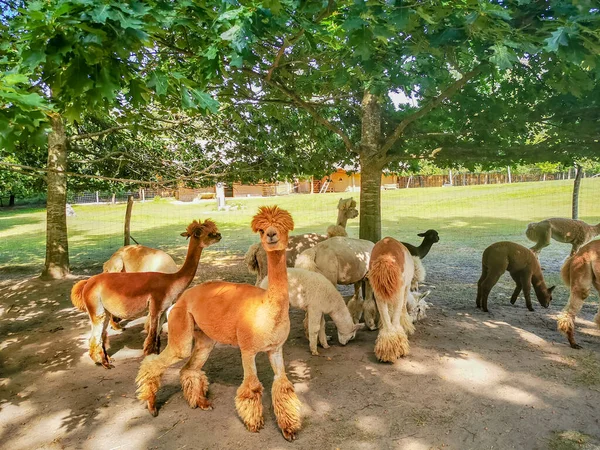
<point x="160" y="82"/>
<point x="101" y="13"/>
<point x="230" y="34"/>
<point x="503" y="57"/>
<point x="32" y="58"/>
<point x="106" y="85"/>
<point x="205" y="101"/>
<point x="273" y="5"/>
<point x="236" y="60"/>
<point x="231" y="14"/>
<point x="14" y="78"/>
<point x="558" y="37"/>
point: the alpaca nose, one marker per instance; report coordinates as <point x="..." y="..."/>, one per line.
<point x="272" y="236"/>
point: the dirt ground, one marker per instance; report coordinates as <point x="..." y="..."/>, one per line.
<point x="473" y="380"/>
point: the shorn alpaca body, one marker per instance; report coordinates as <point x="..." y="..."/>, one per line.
<point x="569" y="231"/>
<point x="138" y="258"/>
<point x="580" y="272"/>
<point x="256" y="257"/>
<point x="343" y="260"/>
<point x="313" y="293"/>
<point x="246" y="316"/>
<point x="128" y="295"/>
<point x="391" y="271"/>
<point x="523" y="267"/>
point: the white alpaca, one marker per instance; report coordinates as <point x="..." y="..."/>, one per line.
<point x="256" y="257"/>
<point x="313" y="293"/>
<point x="343" y="260"/>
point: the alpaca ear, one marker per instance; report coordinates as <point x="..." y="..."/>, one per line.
<point x="184" y="234"/>
<point x="421" y="234"/>
<point x="359" y="326"/>
<point x="550" y="289"/>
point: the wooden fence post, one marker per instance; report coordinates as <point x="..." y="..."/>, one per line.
<point x="127" y="239"/>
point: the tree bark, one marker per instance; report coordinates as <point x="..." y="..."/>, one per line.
<point x="372" y="161"/>
<point x="576" y="185"/>
<point x="11" y="199"/>
<point x="57" y="244"/>
<point x="127" y="230"/>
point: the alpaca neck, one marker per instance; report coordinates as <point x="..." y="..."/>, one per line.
<point x="342" y="318"/>
<point x="342" y="219"/>
<point x="188" y="270"/>
<point x="424" y="248"/>
<point x="278" y="280"/>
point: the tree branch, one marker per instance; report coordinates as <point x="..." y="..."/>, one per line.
<point x="312" y="111"/>
<point x="79" y="137"/>
<point x="446" y="93"/>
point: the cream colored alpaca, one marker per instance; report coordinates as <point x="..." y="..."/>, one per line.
<point x="313" y="293"/>
<point x="256" y="257"/>
<point x="569" y="231"/>
<point x="242" y="315"/>
<point x="580" y="272"/>
<point x="391" y="271"/>
<point x="137" y="258"/>
<point x="343" y="260"/>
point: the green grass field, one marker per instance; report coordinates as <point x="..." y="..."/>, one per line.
<point x="467" y="218"/>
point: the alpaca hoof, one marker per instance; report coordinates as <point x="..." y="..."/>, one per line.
<point x="325" y="345"/>
<point x="315" y="353"/>
<point x="289" y="435"/>
<point x="531" y="309"/>
<point x="576" y="346"/>
<point x="485" y="310"/>
<point x="153" y="412"/>
<point x="256" y="426"/>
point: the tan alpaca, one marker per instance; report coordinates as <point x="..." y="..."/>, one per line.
<point x="569" y="231"/>
<point x="391" y="271"/>
<point x="344" y="260"/>
<point x="256" y="257"/>
<point x="313" y="293"/>
<point x="242" y="315"/>
<point x="523" y="267"/>
<point x="138" y="258"/>
<point x="128" y="295"/>
<point x="580" y="272"/>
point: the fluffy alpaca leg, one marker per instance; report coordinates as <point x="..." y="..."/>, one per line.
<point x="323" y="338"/>
<point x="248" y="400"/>
<point x="369" y="308"/>
<point x="285" y="401"/>
<point x="305" y="325"/>
<point x="406" y="321"/>
<point x="566" y="319"/>
<point x="314" y="326"/>
<point x="99" y="339"/>
<point x="150" y="373"/>
<point x="181" y="327"/>
<point x="152" y="342"/>
<point x="355" y="305"/>
<point x="391" y="343"/>
<point x="193" y="380"/>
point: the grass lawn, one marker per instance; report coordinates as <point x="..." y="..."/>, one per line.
<point x="467" y="218"/>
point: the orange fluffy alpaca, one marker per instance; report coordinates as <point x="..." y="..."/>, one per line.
<point x="127" y="295"/>
<point x="242" y="315"/>
<point x="580" y="272"/>
<point x="391" y="271"/>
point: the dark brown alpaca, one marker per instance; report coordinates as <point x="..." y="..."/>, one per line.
<point x="523" y="267"/>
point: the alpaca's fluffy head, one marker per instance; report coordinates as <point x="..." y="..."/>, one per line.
<point x="206" y="231"/>
<point x="273" y="224"/>
<point x="348" y="205"/>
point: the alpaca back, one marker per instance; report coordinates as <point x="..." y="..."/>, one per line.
<point x="306" y="260"/>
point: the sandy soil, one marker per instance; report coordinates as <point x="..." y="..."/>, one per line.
<point x="473" y="380"/>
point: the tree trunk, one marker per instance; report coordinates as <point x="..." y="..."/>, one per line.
<point x="127" y="230"/>
<point x="371" y="165"/>
<point x="576" y="185"/>
<point x="57" y="244"/>
<point x="11" y="199"/>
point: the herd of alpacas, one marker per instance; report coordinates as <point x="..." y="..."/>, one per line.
<point x="302" y="272"/>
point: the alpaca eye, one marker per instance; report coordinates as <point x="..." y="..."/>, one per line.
<point x="261" y="232"/>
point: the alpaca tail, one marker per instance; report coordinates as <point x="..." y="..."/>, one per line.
<point x="250" y="258"/>
<point x="336" y="230"/>
<point x="385" y="278"/>
<point x="306" y="260"/>
<point x="77" y="295"/>
<point x="565" y="271"/>
<point x="419" y="270"/>
<point x="531" y="232"/>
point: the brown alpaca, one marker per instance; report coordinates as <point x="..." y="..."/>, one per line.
<point x="523" y="267"/>
<point x="256" y="257"/>
<point x="581" y="271"/>
<point x="391" y="271"/>
<point x="243" y="315"/>
<point x="127" y="295"/>
<point x="569" y="231"/>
